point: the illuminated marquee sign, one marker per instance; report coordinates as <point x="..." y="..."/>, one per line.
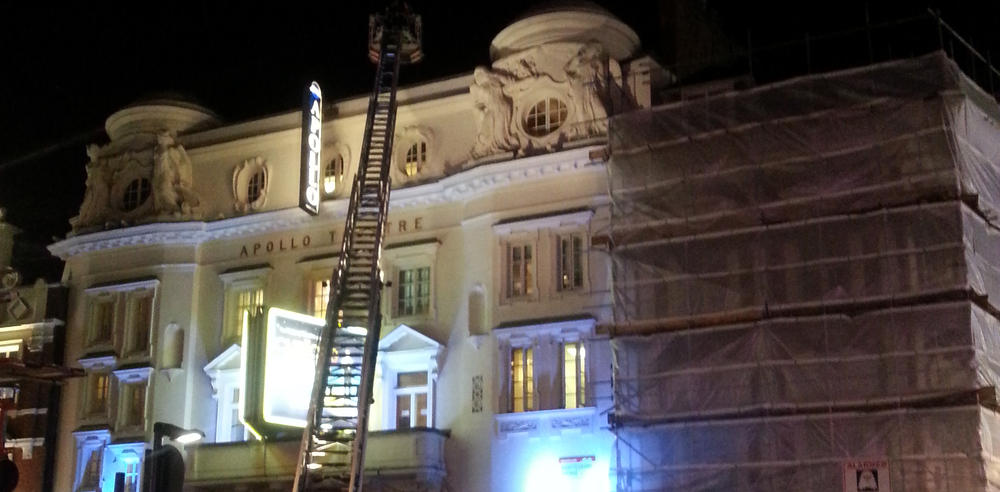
<point x="312" y="142"/>
<point x="279" y="361"/>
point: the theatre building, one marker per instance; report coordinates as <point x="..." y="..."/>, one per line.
<point x="792" y="281"/>
<point x="494" y="369"/>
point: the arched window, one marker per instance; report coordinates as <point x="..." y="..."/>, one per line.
<point x="545" y="117"/>
<point x="136" y="194"/>
<point x="416" y="158"/>
<point x="255" y="186"/>
<point x="333" y="175"/>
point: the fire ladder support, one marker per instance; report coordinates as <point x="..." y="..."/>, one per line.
<point x="333" y="443"/>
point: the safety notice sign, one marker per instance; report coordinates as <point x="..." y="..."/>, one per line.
<point x="866" y="476"/>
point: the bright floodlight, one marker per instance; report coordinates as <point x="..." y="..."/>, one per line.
<point x="175" y="433"/>
<point x="190" y="437"/>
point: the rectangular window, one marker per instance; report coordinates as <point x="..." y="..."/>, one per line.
<point x="320" y="298"/>
<point x="140" y="320"/>
<point x="574" y="375"/>
<point x="413" y="291"/>
<point x="135" y="411"/>
<point x="246" y="301"/>
<point x="237" y="432"/>
<point x="98" y="395"/>
<point x="522" y="394"/>
<point x="132" y="477"/>
<point x="103" y="322"/>
<point x="411" y="400"/>
<point x="92" y="473"/>
<point x="570" y="262"/>
<point x="520" y="270"/>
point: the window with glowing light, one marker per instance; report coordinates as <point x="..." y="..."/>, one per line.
<point x="96" y="404"/>
<point x="570" y="261"/>
<point x="244" y="293"/>
<point x="319" y="296"/>
<point x="416" y="159"/>
<point x="574" y="375"/>
<point x="333" y="176"/>
<point x="520" y="270"/>
<point x="522" y="392"/>
<point x="545" y="117"/>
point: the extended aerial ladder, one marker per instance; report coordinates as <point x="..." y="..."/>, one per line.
<point x="333" y="443"/>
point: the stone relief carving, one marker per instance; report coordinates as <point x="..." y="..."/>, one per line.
<point x="570" y="422"/>
<point x="518" y="426"/>
<point x="94" y="209"/>
<point x="493" y="111"/>
<point x="173" y="180"/>
<point x="165" y="187"/>
<point x="588" y="84"/>
<point x="574" y="74"/>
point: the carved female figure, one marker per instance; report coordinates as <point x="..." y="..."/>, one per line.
<point x="493" y="114"/>
<point x="95" y="199"/>
<point x="587" y="79"/>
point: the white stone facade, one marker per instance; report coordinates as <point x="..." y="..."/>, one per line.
<point x="499" y="187"/>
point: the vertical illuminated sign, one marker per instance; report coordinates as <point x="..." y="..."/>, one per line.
<point x="312" y="142"/>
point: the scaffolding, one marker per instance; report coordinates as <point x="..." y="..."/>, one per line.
<point x="807" y="274"/>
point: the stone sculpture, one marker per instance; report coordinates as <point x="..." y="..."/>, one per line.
<point x="96" y="199"/>
<point x="173" y="192"/>
<point x="588" y="84"/>
<point x="493" y="110"/>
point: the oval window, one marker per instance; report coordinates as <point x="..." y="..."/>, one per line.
<point x="545" y="117"/>
<point x="333" y="175"/>
<point x="416" y="157"/>
<point x="255" y="186"/>
<point x="136" y="194"/>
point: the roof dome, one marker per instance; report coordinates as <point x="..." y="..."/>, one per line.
<point x="160" y="112"/>
<point x="559" y="21"/>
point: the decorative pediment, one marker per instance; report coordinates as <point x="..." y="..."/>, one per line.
<point x="404" y="338"/>
<point x="228" y="360"/>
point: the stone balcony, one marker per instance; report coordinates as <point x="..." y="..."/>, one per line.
<point x="414" y="455"/>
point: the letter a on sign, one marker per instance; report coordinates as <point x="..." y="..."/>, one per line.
<point x="312" y="143"/>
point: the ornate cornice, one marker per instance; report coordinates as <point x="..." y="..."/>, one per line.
<point x="455" y="188"/>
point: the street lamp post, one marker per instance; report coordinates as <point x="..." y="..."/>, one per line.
<point x="174" y="433"/>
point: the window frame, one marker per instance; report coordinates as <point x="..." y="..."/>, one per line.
<point x="236" y="283"/>
<point x="119" y="297"/>
<point x="545" y="116"/>
<point x="408" y="256"/>
<point x="391" y="363"/>
<point x="130" y="383"/>
<point x="579" y="260"/>
<point x="416" y="154"/>
<point x="338" y="161"/>
<point x="547" y="342"/>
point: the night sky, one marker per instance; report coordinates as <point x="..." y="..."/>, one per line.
<point x="66" y="68"/>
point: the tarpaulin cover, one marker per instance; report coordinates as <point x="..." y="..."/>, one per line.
<point x="788" y="256"/>
<point x="929" y="450"/>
